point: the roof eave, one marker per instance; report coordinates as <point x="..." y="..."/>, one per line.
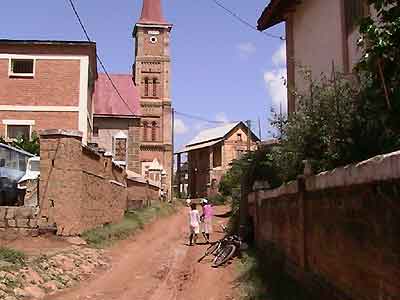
<point x="96" y="115"/>
<point x="273" y="14"/>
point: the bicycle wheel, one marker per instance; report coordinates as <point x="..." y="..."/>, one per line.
<point x="211" y="249"/>
<point x="224" y="255"/>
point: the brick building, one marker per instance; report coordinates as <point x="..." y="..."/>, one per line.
<point x="46" y="84"/>
<point x="318" y="32"/>
<point x="210" y="154"/>
<point x="55" y="85"/>
<point x="141" y="132"/>
<point x="152" y="70"/>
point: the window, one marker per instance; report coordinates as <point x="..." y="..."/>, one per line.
<point x="240" y="153"/>
<point x="120" y="149"/>
<point x="145" y="125"/>
<point x="95" y="131"/>
<point x="35" y="165"/>
<point x="354" y="10"/>
<point x="154" y="87"/>
<point x="22" y="67"/>
<point x="18" y="131"/>
<point x="154" y="131"/>
<point x="119" y="145"/>
<point x="217" y="156"/>
<point x="239" y="137"/>
<point x="146" y="87"/>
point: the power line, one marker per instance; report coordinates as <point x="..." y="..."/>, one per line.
<point x="97" y="56"/>
<point x="198" y="118"/>
<point x="243" y="21"/>
<point x="201" y="118"/>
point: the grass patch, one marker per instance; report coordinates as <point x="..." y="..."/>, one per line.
<point x="257" y="281"/>
<point x="133" y="221"/>
<point x="11" y="258"/>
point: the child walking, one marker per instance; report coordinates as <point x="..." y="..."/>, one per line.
<point x="194" y="223"/>
<point x="207" y="219"/>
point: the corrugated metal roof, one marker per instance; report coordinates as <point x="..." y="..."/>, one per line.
<point x="17" y="150"/>
<point x="108" y="102"/>
<point x="212" y="134"/>
<point x="202" y="145"/>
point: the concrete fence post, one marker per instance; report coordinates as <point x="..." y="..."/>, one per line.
<point x="303" y="221"/>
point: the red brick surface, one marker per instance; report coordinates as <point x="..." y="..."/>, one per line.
<point x="56" y="82"/>
<point x="43" y="120"/>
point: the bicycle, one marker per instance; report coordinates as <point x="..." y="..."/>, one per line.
<point x="223" y="249"/>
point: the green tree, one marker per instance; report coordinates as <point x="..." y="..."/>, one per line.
<point x="29" y="145"/>
<point x="378" y="119"/>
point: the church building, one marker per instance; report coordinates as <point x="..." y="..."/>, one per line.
<point x="139" y="132"/>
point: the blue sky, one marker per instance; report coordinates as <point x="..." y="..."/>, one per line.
<point x="221" y="69"/>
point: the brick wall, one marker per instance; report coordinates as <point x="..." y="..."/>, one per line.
<point x="134" y="146"/>
<point x="18" y="221"/>
<point x="43" y="120"/>
<point x="141" y="193"/>
<point x="337" y="232"/>
<point x="45" y="88"/>
<point x="79" y="188"/>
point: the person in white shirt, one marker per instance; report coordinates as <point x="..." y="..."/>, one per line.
<point x="194" y="224"/>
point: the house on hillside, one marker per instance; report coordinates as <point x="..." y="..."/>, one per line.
<point x="45" y="85"/>
<point x="318" y="33"/>
<point x="210" y="154"/>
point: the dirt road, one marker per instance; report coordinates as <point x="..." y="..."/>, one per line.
<point x="158" y="265"/>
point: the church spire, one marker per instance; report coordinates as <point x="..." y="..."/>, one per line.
<point x="152" y="13"/>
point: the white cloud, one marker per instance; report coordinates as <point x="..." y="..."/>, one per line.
<point x="275" y="83"/>
<point x="222" y="117"/>
<point x="180" y="127"/>
<point x="279" y="57"/>
<point x="246" y="49"/>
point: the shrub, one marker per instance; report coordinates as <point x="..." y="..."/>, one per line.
<point x="217" y="199"/>
<point x="12" y="256"/>
<point x="29" y="145"/>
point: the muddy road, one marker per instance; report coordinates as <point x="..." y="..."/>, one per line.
<point x="157" y="264"/>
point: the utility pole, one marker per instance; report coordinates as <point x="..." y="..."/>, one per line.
<point x="259" y="129"/>
<point x="244" y="191"/>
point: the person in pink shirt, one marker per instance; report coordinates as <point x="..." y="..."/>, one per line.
<point x="207" y="217"/>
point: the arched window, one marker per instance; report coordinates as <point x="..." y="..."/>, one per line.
<point x="146" y="87"/>
<point x="154" y="87"/>
<point x="154" y="131"/>
<point x="145" y="126"/>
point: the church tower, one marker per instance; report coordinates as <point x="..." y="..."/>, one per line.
<point x="151" y="74"/>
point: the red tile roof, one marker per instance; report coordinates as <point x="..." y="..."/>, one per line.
<point x="107" y="100"/>
<point x="152" y="13"/>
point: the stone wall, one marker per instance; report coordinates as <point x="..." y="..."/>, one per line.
<point x="337" y="232"/>
<point x="18" y="221"/>
<point x="79" y="188"/>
